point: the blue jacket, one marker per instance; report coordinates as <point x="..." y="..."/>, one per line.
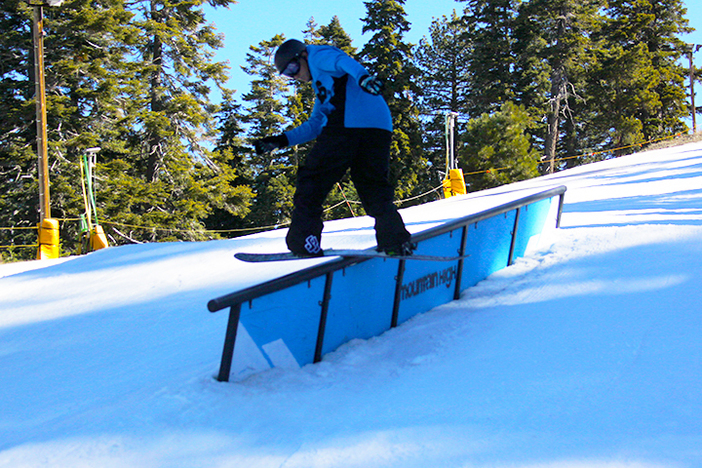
<point x="340" y="101"/>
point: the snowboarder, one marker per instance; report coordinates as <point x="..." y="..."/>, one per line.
<point x="353" y="127"/>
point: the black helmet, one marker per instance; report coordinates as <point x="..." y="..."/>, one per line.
<point x="287" y="51"/>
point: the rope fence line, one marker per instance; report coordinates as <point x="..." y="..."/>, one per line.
<point x="19" y="246"/>
<point x="206" y="231"/>
<point x="436" y="189"/>
<point x="153" y="228"/>
<point x="343" y="202"/>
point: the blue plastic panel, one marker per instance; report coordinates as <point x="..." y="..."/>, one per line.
<point x="488" y="244"/>
<point x="426" y="285"/>
<point x="361" y="302"/>
<point x="532" y="219"/>
<point x="284" y="324"/>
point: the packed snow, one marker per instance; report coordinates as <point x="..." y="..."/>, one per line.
<point x="586" y="354"/>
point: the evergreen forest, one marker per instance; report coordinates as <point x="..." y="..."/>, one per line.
<point x="538" y="86"/>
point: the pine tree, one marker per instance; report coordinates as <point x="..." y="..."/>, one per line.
<point x="168" y="114"/>
<point x="496" y="149"/>
<point x="620" y="86"/>
<point x="264" y="114"/>
<point x="488" y="27"/>
<point x="234" y="176"/>
<point x="443" y="59"/>
<point x="88" y="55"/>
<point x="83" y="46"/>
<point x="551" y="44"/>
<point x="176" y="58"/>
<point x="639" y="82"/>
<point x="391" y="59"/>
<point x="334" y="34"/>
<point x="105" y="82"/>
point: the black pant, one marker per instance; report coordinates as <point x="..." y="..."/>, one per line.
<point x="366" y="151"/>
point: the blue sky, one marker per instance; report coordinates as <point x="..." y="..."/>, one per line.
<point x="251" y="21"/>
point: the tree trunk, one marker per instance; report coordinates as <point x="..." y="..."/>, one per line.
<point x="557" y="94"/>
<point x="155" y="147"/>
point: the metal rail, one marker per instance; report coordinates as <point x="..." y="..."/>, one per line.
<point x="236" y="299"/>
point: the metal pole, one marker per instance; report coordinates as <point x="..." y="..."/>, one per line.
<point x="692" y="91"/>
<point x="40" y="97"/>
<point x="510" y="258"/>
<point x="459" y="273"/>
<point x="398" y="293"/>
<point x="450" y="142"/>
<point x="225" y="366"/>
<point x="323" y="317"/>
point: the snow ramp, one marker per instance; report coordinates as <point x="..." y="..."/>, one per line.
<point x="293" y="320"/>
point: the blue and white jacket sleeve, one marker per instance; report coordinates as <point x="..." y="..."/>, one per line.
<point x="339" y="101"/>
<point x="310" y="129"/>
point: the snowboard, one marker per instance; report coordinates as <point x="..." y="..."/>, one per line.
<point x="348" y="253"/>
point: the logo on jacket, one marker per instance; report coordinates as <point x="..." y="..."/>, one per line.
<point x="322" y="92"/>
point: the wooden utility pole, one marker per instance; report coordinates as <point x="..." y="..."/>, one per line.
<point x="48" y="228"/>
<point x="693" y="48"/>
<point x="40" y="97"/>
<point x="692" y="91"/>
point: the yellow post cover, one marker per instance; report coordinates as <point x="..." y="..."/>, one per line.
<point x="48" y="239"/>
<point x="454" y="184"/>
<point x="98" y="239"/>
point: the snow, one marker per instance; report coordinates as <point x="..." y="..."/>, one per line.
<point x="586" y="354"/>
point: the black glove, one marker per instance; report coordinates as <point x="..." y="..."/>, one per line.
<point x="371" y="84"/>
<point x="268" y="144"/>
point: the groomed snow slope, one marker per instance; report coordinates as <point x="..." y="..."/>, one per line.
<point x="587" y="354"/>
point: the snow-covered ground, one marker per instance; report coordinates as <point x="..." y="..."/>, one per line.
<point x="587" y="354"/>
